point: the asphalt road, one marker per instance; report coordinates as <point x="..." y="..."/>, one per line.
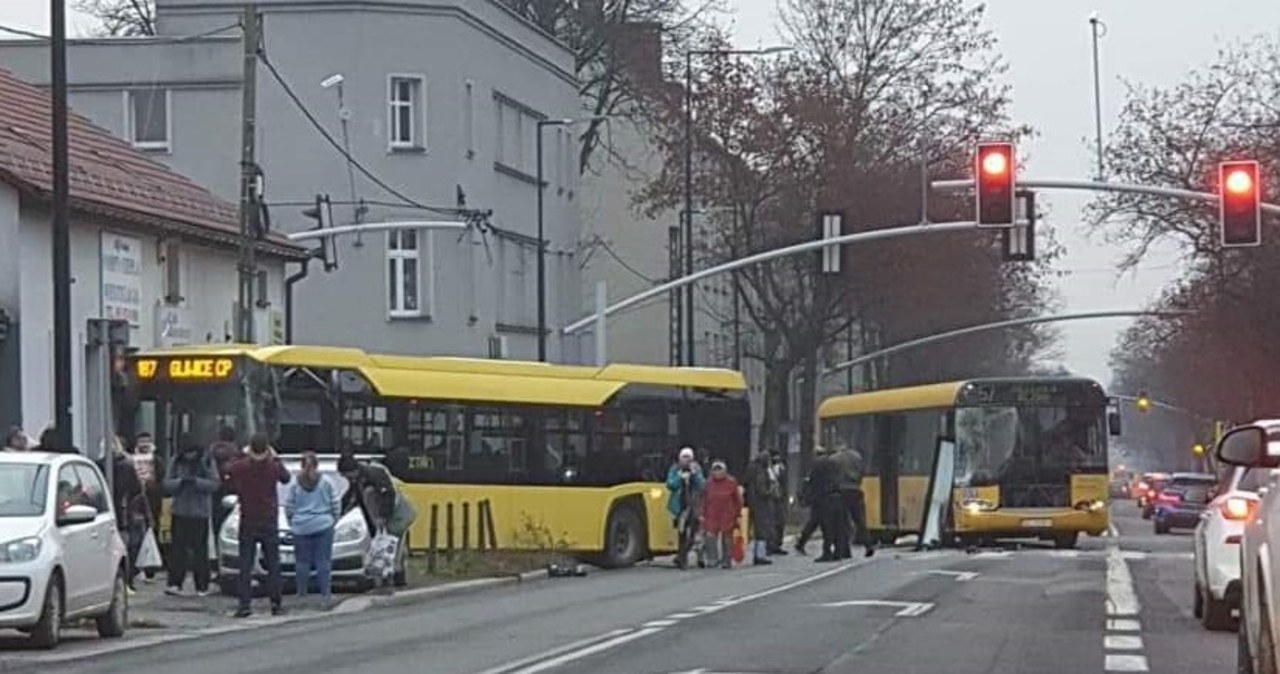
<point x="1025" y="610"/>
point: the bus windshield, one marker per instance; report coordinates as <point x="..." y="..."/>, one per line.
<point x="1030" y="452"/>
<point x="169" y="412"/>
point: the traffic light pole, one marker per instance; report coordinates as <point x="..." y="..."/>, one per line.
<point x="1096" y="186"/>
<point x="998" y="325"/>
<point x="786" y="251"/>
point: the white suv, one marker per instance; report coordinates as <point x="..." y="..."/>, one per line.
<point x="1217" y="541"/>
<point x="61" y="557"/>
<point x="1257" y="446"/>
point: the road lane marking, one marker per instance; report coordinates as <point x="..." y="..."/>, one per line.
<point x="588" y="647"/>
<point x="993" y="554"/>
<point x="681" y="616"/>
<point x="1122" y="642"/>
<point x="1122" y="600"/>
<point x="1125" y="663"/>
<point x="1112" y="530"/>
<point x="1123" y="625"/>
<point x="907" y="609"/>
<point x="960" y="576"/>
<point x="551" y="653"/>
<point x="660" y="623"/>
<point x="581" y="653"/>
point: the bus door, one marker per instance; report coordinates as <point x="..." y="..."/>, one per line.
<point x="889" y="431"/>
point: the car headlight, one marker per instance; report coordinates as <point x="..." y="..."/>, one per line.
<point x="21" y="550"/>
<point x="977" y="505"/>
<point x="231" y="528"/>
<point x="350" y="529"/>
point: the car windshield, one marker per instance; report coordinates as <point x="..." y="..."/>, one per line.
<point x="24" y="489"/>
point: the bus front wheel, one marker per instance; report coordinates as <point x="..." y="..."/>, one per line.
<point x="624" y="538"/>
<point x="1066" y="540"/>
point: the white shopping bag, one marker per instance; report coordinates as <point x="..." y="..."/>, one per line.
<point x="149" y="552"/>
<point x="380" y="561"/>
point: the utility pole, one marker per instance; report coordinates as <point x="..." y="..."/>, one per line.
<point x="1094" y="26"/>
<point x="252" y="23"/>
<point x="688" y="206"/>
<point x="61" y="229"/>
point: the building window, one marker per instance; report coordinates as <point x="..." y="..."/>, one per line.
<point x="469" y="118"/>
<point x="406" y="113"/>
<point x="408" y="273"/>
<point x="147" y="118"/>
<point x="516" y="129"/>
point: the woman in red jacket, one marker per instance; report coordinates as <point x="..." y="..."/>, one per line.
<point x="721" y="506"/>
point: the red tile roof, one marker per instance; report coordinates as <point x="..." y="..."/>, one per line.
<point x="108" y="176"/>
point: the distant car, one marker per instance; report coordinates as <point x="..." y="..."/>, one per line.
<point x="1119" y="488"/>
<point x="1184" y="497"/>
<point x="351" y="540"/>
<point x="1145" y="491"/>
<point x="62" y="557"/>
<point x="1217" y="548"/>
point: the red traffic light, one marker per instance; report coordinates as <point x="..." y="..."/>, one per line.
<point x="1240" y="204"/>
<point x="994" y="169"/>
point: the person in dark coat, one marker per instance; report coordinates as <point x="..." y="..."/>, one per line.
<point x="833" y="518"/>
<point x="132" y="514"/>
<point x="371" y="488"/>
<point x="190" y="479"/>
<point x="778" y="470"/>
<point x="761" y="492"/>
<point x="850" y="485"/>
<point x="255" y="479"/>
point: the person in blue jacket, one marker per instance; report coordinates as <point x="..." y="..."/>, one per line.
<point x="685" y="482"/>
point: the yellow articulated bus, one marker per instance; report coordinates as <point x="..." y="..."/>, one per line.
<point x="568" y="457"/>
<point x="1030" y="458"/>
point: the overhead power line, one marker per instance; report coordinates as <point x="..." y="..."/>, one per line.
<point x="315" y="122"/>
<point x="149" y="39"/>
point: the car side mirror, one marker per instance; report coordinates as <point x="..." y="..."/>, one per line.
<point x="1113" y="422"/>
<point x="229" y="501"/>
<point x="77" y="514"/>
<point x="1246" y="446"/>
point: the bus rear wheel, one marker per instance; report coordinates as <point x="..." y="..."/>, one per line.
<point x="624" y="543"/>
<point x="1067" y="540"/>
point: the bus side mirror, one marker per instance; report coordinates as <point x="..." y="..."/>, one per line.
<point x="1113" y="422"/>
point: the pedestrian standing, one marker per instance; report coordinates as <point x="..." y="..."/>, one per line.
<point x="833" y="518"/>
<point x="808" y="501"/>
<point x="778" y="473"/>
<point x="761" y="491"/>
<point x="150" y="472"/>
<point x="721" y="508"/>
<point x="254" y="478"/>
<point x="685" y="483"/>
<point x="127" y="497"/>
<point x="190" y="480"/>
<point x="224" y="451"/>
<point x="313" y="509"/>
<point x="850" y="484"/>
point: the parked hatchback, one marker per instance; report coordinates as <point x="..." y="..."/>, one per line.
<point x="1184" y="497"/>
<point x="61" y="557"/>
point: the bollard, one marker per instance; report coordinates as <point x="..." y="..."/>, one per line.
<point x="481" y="507"/>
<point x="493" y="532"/>
<point x="448" y="527"/>
<point x="466" y="525"/>
<point x="433" y="538"/>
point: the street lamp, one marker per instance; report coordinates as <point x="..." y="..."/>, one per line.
<point x="542" y="243"/>
<point x="688" y="174"/>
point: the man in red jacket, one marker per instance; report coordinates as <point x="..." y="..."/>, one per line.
<point x="254" y="478"/>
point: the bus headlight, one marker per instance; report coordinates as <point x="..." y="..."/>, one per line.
<point x="1091" y="506"/>
<point x="977" y="505"/>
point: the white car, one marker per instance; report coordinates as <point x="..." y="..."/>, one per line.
<point x="1217" y="541"/>
<point x="1256" y="446"/>
<point x="351" y="540"/>
<point x="61" y="557"/>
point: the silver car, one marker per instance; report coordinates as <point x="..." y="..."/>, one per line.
<point x="351" y="540"/>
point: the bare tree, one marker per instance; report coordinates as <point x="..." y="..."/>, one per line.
<point x="612" y="41"/>
<point x="842" y="123"/>
<point x="120" y="17"/>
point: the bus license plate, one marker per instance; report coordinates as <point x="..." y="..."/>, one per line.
<point x="1037" y="524"/>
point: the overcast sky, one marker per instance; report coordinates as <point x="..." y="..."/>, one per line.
<point x="1047" y="45"/>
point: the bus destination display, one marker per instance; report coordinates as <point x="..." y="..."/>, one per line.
<point x="185" y="369"/>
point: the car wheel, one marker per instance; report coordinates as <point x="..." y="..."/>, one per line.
<point x="1197" y="603"/>
<point x="1216" y="614"/>
<point x="1066" y="540"/>
<point x="624" y="538"/>
<point x="112" y="623"/>
<point x="1161" y="528"/>
<point x="48" y="632"/>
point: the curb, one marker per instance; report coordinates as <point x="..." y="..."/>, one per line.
<point x="464" y="587"/>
